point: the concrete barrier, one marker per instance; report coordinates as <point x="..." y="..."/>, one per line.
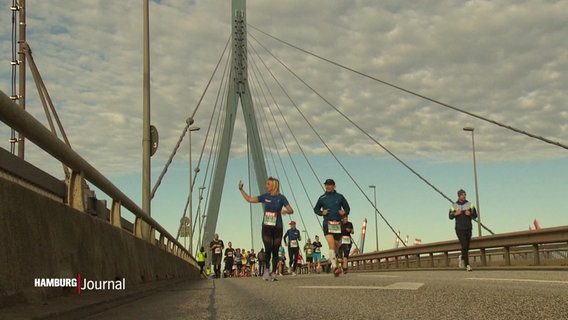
<point x="41" y="238"/>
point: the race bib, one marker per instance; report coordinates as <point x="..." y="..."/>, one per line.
<point x="334" y="227"/>
<point x="317" y="250"/>
<point x="229" y="254"/>
<point x="293" y="243"/>
<point x="309" y="251"/>
<point x="345" y="240"/>
<point x="270" y="218"/>
<point x="218" y="250"/>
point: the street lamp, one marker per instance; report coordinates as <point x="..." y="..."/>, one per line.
<point x="376" y="213"/>
<point x="190" y="130"/>
<point x="471" y="129"/>
<point x="201" y="189"/>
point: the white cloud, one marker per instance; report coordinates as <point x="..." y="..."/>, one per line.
<point x="504" y="60"/>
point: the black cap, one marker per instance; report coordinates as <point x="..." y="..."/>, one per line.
<point x="460" y="191"/>
<point x="329" y="181"/>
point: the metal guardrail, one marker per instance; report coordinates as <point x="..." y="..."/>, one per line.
<point x="526" y="248"/>
<point x="21" y="121"/>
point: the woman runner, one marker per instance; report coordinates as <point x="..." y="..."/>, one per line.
<point x="272" y="227"/>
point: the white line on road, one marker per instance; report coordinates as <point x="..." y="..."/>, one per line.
<point x="394" y="286"/>
<point x="520" y="280"/>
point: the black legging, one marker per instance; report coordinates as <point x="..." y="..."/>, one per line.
<point x="464" y="237"/>
<point x="272" y="238"/>
<point x="293" y="254"/>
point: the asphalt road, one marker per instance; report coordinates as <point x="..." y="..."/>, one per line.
<point x="448" y="294"/>
<point x="384" y="295"/>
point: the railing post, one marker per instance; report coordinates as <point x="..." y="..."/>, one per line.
<point x="483" y="257"/>
<point x="115" y="213"/>
<point x="418" y="261"/>
<point x="507" y="256"/>
<point x="447" y="258"/>
<point x="162" y="242"/>
<point x="138" y="227"/>
<point x="76" y="192"/>
<point x="536" y="255"/>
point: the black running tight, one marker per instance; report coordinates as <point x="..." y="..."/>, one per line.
<point x="272" y="238"/>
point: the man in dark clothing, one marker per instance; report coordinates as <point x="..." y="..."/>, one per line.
<point x="463" y="212"/>
<point x="345" y="243"/>
<point x="291" y="239"/>
<point x="216" y="246"/>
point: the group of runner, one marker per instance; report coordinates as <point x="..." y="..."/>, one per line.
<point x="337" y="229"/>
<point x="332" y="206"/>
<point x="236" y="262"/>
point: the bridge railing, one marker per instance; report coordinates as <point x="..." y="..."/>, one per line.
<point x="541" y="247"/>
<point x="21" y="121"/>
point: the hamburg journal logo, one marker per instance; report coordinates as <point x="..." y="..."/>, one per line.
<point x="82" y="284"/>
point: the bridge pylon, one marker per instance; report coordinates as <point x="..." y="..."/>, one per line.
<point x="239" y="91"/>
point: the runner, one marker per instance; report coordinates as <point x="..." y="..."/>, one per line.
<point x="238" y="263"/>
<point x="292" y="239"/>
<point x="252" y="263"/>
<point x="272" y="227"/>
<point x="281" y="261"/>
<point x="309" y="251"/>
<point x="216" y="246"/>
<point x="332" y="206"/>
<point x="317" y="253"/>
<point x="345" y="244"/>
<point x="229" y="260"/>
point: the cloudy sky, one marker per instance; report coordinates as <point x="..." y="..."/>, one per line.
<point x="506" y="61"/>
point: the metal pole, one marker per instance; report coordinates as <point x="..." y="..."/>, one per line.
<point x="376" y="213"/>
<point x="191" y="129"/>
<point x="475" y="179"/>
<point x="22" y="71"/>
<point x="146" y="140"/>
<point x="200" y="217"/>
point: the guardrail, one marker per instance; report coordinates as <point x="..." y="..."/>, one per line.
<point x="541" y="247"/>
<point x="33" y="130"/>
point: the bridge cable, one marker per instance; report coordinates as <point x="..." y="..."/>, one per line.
<point x="184" y="131"/>
<point x="369" y="136"/>
<point x="259" y="76"/>
<point x="327" y="146"/>
<point x="556" y="143"/>
<point x="282" y="136"/>
<point x="373" y="139"/>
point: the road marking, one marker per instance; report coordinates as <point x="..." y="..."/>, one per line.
<point x="394" y="286"/>
<point x="520" y="280"/>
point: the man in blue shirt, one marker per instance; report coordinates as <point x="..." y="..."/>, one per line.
<point x="293" y="238"/>
<point x="332" y="206"/>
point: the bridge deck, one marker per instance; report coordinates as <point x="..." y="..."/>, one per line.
<point x="448" y="294"/>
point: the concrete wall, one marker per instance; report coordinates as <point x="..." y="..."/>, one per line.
<point x="43" y="238"/>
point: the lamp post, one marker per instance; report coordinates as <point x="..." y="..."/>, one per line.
<point x="376" y="224"/>
<point x="190" y="130"/>
<point x="199" y="216"/>
<point x="471" y="129"/>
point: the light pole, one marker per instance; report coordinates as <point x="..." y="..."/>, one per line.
<point x="471" y="129"/>
<point x="190" y="130"/>
<point x="376" y="224"/>
<point x="199" y="216"/>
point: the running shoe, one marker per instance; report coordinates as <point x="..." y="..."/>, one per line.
<point x="338" y="271"/>
<point x="468" y="268"/>
<point x="274" y="277"/>
<point x="460" y="262"/>
<point x="266" y="275"/>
